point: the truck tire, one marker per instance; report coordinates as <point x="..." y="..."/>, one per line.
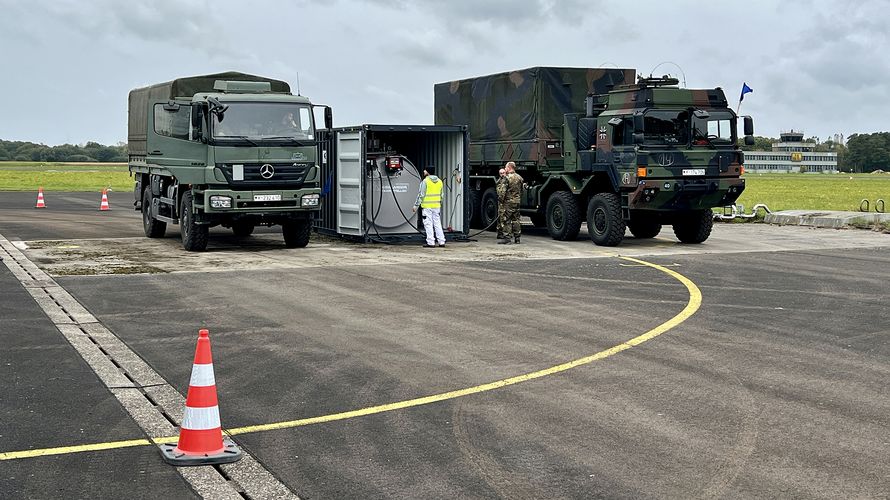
<point x="563" y="216"/>
<point x="604" y="221"/>
<point x="194" y="235"/>
<point x="296" y="233"/>
<point x="243" y="229"/>
<point x="694" y="227"/>
<point x="152" y="227"/>
<point x="643" y="227"/>
<point x="489" y="209"/>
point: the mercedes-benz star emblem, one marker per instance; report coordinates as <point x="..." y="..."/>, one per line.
<point x="267" y="171"/>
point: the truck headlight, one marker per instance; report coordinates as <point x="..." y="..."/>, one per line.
<point x="220" y="202"/>
<point x="309" y="200"/>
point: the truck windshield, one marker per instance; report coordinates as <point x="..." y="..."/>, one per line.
<point x="257" y="121"/>
<point x="666" y="126"/>
<point x="718" y="128"/>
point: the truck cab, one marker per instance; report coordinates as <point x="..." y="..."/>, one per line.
<point x="229" y="149"/>
<point x="671" y="155"/>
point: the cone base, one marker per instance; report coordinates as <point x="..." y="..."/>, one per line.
<point x="174" y="456"/>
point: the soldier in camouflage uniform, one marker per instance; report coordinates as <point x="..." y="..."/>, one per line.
<point x="512" y="228"/>
<point x="501" y="187"/>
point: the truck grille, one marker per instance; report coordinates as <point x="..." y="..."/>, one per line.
<point x="285" y="176"/>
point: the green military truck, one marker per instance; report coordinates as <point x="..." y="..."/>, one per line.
<point x="227" y="149"/>
<point x="593" y="142"/>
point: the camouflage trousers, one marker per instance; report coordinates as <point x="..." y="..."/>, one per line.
<point x="501" y="218"/>
<point x="508" y="221"/>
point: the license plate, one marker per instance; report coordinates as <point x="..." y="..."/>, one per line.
<point x="267" y="197"/>
<point x="693" y="171"/>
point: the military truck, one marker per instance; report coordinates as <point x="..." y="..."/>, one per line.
<point x="592" y="141"/>
<point x="227" y="149"/>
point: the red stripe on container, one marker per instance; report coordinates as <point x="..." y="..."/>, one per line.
<point x="201" y="397"/>
<point x="200" y="442"/>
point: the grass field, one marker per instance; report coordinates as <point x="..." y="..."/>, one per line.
<point x="28" y="176"/>
<point x="814" y="191"/>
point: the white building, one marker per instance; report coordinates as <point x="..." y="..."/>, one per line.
<point x="791" y="155"/>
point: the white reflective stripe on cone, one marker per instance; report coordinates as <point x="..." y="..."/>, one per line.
<point x="201" y="419"/>
<point x="202" y="375"/>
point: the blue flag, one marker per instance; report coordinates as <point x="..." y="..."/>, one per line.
<point x="745" y="90"/>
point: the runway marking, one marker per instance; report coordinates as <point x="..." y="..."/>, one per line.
<point x="692" y="306"/>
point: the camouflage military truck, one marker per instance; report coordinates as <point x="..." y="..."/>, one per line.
<point x="226" y="149"/>
<point x="634" y="155"/>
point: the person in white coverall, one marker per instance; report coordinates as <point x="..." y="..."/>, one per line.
<point x="429" y="199"/>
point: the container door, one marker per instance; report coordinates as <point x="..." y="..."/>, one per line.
<point x="349" y="177"/>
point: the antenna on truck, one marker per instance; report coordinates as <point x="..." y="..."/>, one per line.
<point x="298" y="83"/>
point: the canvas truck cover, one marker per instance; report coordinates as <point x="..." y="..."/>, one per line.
<point x="187" y="87"/>
<point x="522" y="105"/>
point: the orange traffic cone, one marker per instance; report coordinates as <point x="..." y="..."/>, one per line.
<point x="200" y="436"/>
<point x="104" y="205"/>
<point x="40" y="202"/>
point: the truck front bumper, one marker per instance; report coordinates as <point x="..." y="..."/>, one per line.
<point x="225" y="201"/>
<point x="686" y="194"/>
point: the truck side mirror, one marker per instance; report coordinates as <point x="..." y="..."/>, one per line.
<point x="638" y="123"/>
<point x="749" y="140"/>
<point x="749" y="126"/>
<point x="328" y="118"/>
<point x="198" y="120"/>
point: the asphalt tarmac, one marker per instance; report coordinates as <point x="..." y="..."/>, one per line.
<point x="774" y="387"/>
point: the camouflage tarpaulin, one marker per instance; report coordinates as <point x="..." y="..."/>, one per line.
<point x="521" y="105"/>
<point x="139" y="99"/>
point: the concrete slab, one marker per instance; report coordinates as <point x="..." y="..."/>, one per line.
<point x="826" y="218"/>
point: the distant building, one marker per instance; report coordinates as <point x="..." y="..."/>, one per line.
<point x="791" y="155"/>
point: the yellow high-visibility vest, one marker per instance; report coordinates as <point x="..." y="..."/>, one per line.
<point x="433" y="196"/>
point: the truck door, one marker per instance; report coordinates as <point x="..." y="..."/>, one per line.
<point x="172" y="143"/>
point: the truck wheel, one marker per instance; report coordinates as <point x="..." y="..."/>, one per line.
<point x="563" y="217"/>
<point x="643" y="227"/>
<point x="194" y="235"/>
<point x="604" y="221"/>
<point x="489" y="211"/>
<point x="296" y="233"/>
<point x="694" y="227"/>
<point x="538" y="220"/>
<point x="152" y="227"/>
<point x="242" y="229"/>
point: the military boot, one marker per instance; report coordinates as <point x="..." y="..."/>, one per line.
<point x="516" y="240"/>
<point x="504" y="241"/>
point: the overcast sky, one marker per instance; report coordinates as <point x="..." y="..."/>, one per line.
<point x="817" y="66"/>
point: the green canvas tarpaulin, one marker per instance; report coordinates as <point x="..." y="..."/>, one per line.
<point x="522" y="105"/>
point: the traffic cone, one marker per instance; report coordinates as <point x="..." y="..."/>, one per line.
<point x="200" y="436"/>
<point x="40" y="202"/>
<point x="104" y="205"/>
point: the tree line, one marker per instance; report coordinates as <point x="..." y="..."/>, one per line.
<point x="861" y="153"/>
<point x="89" y="152"/>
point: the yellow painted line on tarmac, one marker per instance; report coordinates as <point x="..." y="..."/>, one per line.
<point x="65" y="450"/>
<point x="692" y="306"/>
